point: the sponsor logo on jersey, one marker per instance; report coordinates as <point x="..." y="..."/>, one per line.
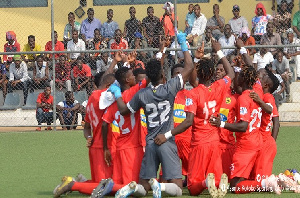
<point x="224" y="114"/>
<point x="228" y="100"/>
<point x="226" y="81"/>
<point x="188" y="101"/>
<point x="143" y="118"/>
<point x="115" y="127"/>
<point x="243" y="110"/>
<point x="178" y="114"/>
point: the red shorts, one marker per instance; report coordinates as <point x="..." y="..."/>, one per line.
<point x="127" y="164"/>
<point x="183" y="149"/>
<point x="99" y="169"/>
<point x="227" y="151"/>
<point x="204" y="159"/>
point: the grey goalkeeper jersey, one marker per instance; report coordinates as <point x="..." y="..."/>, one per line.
<point x="158" y="105"/>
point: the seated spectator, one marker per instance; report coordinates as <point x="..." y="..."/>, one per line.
<point x="189" y="19"/>
<point x="139" y="43"/>
<point x="262" y="58"/>
<point x="76" y="44"/>
<point x="228" y="40"/>
<point x="67" y="111"/>
<point x="89" y="25"/>
<point x="247" y="40"/>
<point x="139" y="74"/>
<point x="237" y="22"/>
<point x="278" y="93"/>
<point x="216" y="23"/>
<point x="104" y="62"/>
<point x="62" y="74"/>
<point x="18" y="76"/>
<point x="198" y="26"/>
<point x="152" y="28"/>
<point x="282" y="19"/>
<point x="29" y="47"/>
<point x="3" y="78"/>
<point x="12" y="45"/>
<point x="207" y="41"/>
<point x="118" y="42"/>
<point x="82" y="76"/>
<point x="290" y="5"/>
<point x="281" y="66"/>
<point x="44" y="107"/>
<point x="68" y="32"/>
<point x="168" y="20"/>
<point x="293" y="52"/>
<point x="109" y="27"/>
<point x="259" y="22"/>
<point x="40" y="74"/>
<point x="59" y="46"/>
<point x="132" y="25"/>
<point x="271" y="38"/>
<point x="296" y="23"/>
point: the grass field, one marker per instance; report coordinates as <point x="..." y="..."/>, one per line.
<point x="32" y="163"/>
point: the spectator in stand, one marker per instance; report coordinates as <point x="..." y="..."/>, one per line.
<point x="247" y="40"/>
<point x="152" y="28"/>
<point x="139" y="74"/>
<point x="12" y="45"/>
<point x="109" y="27"/>
<point x="189" y="19"/>
<point x="59" y="46"/>
<point x="228" y="40"/>
<point x="82" y="76"/>
<point x="290" y="5"/>
<point x="76" y="44"/>
<point x="237" y="22"/>
<point x="296" y="22"/>
<point x="95" y="44"/>
<point x="67" y="111"/>
<point x="131" y="61"/>
<point x="3" y="78"/>
<point x="118" y="42"/>
<point x="68" y="32"/>
<point x="104" y="62"/>
<point x="207" y="41"/>
<point x="198" y="26"/>
<point x="132" y="25"/>
<point x="216" y="23"/>
<point x="44" y="106"/>
<point x="293" y="52"/>
<point x="278" y="93"/>
<point x="168" y="20"/>
<point x="259" y="22"/>
<point x="262" y="58"/>
<point x="271" y="38"/>
<point x="18" y="76"/>
<point x="62" y="74"/>
<point x="281" y="66"/>
<point x="180" y="55"/>
<point x="139" y="43"/>
<point x="29" y="47"/>
<point x="40" y="79"/>
<point x="89" y="25"/>
<point x="282" y="20"/>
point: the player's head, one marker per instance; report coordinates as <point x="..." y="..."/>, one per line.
<point x="98" y="78"/>
<point x="69" y="96"/>
<point x="154" y="71"/>
<point x="125" y="76"/>
<point x="269" y="81"/>
<point x="247" y="77"/>
<point x="108" y="79"/>
<point x="139" y="74"/>
<point x="205" y="70"/>
<point x="220" y="71"/>
<point x="176" y="69"/>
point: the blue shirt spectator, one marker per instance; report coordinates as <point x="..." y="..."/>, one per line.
<point x="89" y="25"/>
<point x="189" y="19"/>
<point x="109" y="27"/>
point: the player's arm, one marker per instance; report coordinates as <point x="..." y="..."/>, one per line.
<point x="276" y="126"/>
<point x="199" y="53"/>
<point x="87" y="133"/>
<point x="107" y="154"/>
<point x="240" y="126"/>
<point x="240" y="46"/>
<point x="216" y="47"/>
<point x="265" y="106"/>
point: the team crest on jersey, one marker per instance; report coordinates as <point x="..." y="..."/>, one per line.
<point x="188" y="102"/>
<point x="243" y="110"/>
<point x="154" y="90"/>
<point x="228" y="100"/>
<point x="209" y="89"/>
<point x="226" y="81"/>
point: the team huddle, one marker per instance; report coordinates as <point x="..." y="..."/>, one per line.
<point x="221" y="130"/>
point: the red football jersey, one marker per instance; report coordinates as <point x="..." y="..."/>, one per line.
<point x="248" y="111"/>
<point x="204" y="101"/>
<point x="266" y="120"/>
<point x="129" y="125"/>
<point x="94" y="117"/>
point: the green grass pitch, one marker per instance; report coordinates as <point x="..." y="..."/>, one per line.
<point x="32" y="163"/>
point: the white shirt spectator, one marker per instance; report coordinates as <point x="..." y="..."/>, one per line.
<point x="20" y="73"/>
<point x="179" y="53"/>
<point x="292" y="50"/>
<point x="262" y="61"/>
<point x="79" y="46"/>
<point x="199" y="25"/>
<point x="40" y="73"/>
<point x="281" y="67"/>
<point x="238" y="24"/>
<point x="230" y="42"/>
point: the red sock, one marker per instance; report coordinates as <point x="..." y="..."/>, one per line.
<point x="197" y="188"/>
<point x="84" y="187"/>
<point x="116" y="187"/>
<point x="247" y="186"/>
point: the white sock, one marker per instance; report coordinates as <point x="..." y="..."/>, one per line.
<point x="162" y="186"/>
<point x="171" y="189"/>
<point x="263" y="183"/>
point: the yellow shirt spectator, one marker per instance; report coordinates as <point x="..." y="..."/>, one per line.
<point x="27" y="48"/>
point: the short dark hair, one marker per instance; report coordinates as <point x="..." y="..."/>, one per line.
<point x="150" y="7"/>
<point x="98" y="78"/>
<point x="79" y="58"/>
<point x="110" y="10"/>
<point x="176" y="66"/>
<point x="121" y="75"/>
<point x="96" y="30"/>
<point x="39" y="56"/>
<point x="197" y="5"/>
<point x="71" y="13"/>
<point x="31" y="36"/>
<point x="154" y="70"/>
<point x="90" y="10"/>
<point x="68" y="94"/>
<point x="138" y="71"/>
<point x="274" y="80"/>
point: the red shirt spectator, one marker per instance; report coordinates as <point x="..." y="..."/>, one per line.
<point x="43" y="99"/>
<point x="12" y="45"/>
<point x="168" y="24"/>
<point x="123" y="44"/>
<point x="247" y="39"/>
<point x="59" y="46"/>
<point x="85" y="71"/>
<point x="62" y="72"/>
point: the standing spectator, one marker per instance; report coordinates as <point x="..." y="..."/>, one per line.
<point x="247" y="40"/>
<point x="109" y="27"/>
<point x="189" y="19"/>
<point x="152" y="28"/>
<point x="40" y="74"/>
<point x="262" y="58"/>
<point x="139" y="43"/>
<point x="237" y="22"/>
<point x="89" y="25"/>
<point x="290" y="5"/>
<point x="3" y="80"/>
<point x="59" y="46"/>
<point x="67" y="111"/>
<point x="68" y="32"/>
<point x="12" y="45"/>
<point x="118" y="42"/>
<point x="76" y="44"/>
<point x="82" y="76"/>
<point x="271" y="38"/>
<point x="62" y="74"/>
<point x="296" y="23"/>
<point x="18" y="76"/>
<point x="259" y="22"/>
<point x="216" y="23"/>
<point x="168" y="20"/>
<point x="29" y="47"/>
<point x="282" y="19"/>
<point x="104" y="62"/>
<point x="198" y="26"/>
<point x="293" y="52"/>
<point x="44" y="104"/>
<point x="132" y="25"/>
<point x="228" y="40"/>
